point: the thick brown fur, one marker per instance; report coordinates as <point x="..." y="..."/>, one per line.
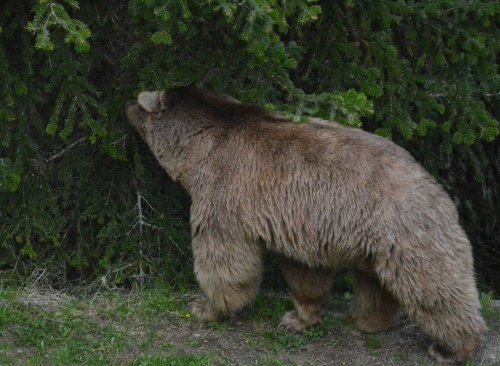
<point x="325" y="197"/>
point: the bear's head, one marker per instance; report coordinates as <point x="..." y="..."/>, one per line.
<point x="140" y="113"/>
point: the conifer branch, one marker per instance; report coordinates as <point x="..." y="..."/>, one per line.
<point x="66" y="149"/>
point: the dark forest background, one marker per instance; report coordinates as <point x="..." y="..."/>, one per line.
<point x="82" y="198"/>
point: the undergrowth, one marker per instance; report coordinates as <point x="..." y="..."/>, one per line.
<point x="154" y="327"/>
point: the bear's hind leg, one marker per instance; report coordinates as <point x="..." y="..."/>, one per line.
<point x="456" y="330"/>
<point x="228" y="273"/>
<point x="374" y="309"/>
<point x="310" y="288"/>
<point x="439" y="293"/>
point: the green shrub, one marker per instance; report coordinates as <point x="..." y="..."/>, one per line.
<point x="82" y="197"/>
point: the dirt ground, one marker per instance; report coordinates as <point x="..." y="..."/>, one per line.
<point x="241" y="343"/>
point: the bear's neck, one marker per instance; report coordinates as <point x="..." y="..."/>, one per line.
<point x="180" y="153"/>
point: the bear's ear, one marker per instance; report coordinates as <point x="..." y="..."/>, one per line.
<point x="150" y="101"/>
<point x="162" y="97"/>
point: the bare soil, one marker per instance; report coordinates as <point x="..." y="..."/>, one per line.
<point x="253" y="342"/>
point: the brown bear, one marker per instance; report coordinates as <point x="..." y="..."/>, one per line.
<point x="323" y="196"/>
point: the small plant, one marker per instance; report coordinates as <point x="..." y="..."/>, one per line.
<point x="374" y="344"/>
<point x="315" y="333"/>
<point x="270" y="308"/>
<point x="278" y="341"/>
<point x="487" y="309"/>
<point x="274" y="362"/>
<point x="400" y="357"/>
<point x="163" y="301"/>
<point x="220" y="325"/>
<point x="185" y="360"/>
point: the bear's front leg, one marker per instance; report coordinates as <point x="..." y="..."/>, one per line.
<point x="229" y="273"/>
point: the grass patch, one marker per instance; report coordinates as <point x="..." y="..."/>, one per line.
<point x="39" y="332"/>
<point x="267" y="308"/>
<point x="110" y="328"/>
<point x="5" y="359"/>
<point x="400" y="357"/>
<point x="374" y="345"/>
<point x="278" y="341"/>
<point x="271" y="309"/>
<point x="67" y="339"/>
<point x="8" y="294"/>
<point x="274" y="362"/>
<point x="184" y="360"/>
<point x="10" y="315"/>
<point x="220" y="325"/>
<point x="162" y="302"/>
<point x="487" y="309"/>
<point x="56" y="334"/>
<point x="316" y="332"/>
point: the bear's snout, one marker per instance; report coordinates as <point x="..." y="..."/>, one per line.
<point x="134" y="116"/>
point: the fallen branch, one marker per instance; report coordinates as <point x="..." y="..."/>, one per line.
<point x="142" y="222"/>
<point x="66" y="149"/>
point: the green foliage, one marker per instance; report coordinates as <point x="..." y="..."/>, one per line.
<point x="186" y="360"/>
<point x="51" y="14"/>
<point x="81" y="195"/>
<point x="374" y="343"/>
<point x="265" y="308"/>
<point x="487" y="308"/>
<point x="9" y="178"/>
<point x="163" y="302"/>
<point x="279" y="340"/>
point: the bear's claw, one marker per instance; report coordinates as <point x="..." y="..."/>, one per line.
<point x="290" y="322"/>
<point x="442" y="356"/>
<point x="202" y="310"/>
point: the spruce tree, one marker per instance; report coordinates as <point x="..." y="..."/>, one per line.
<point x="80" y="194"/>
